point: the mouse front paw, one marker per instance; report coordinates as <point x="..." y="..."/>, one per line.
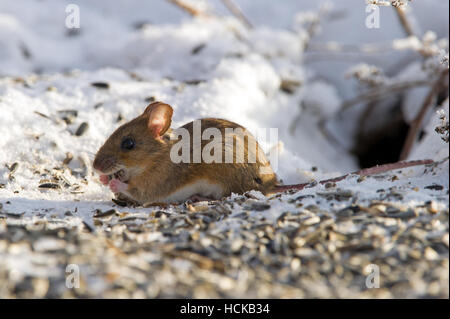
<point x="104" y="179"/>
<point x="117" y="186"/>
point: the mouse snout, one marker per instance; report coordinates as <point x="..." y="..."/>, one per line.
<point x="103" y="163"/>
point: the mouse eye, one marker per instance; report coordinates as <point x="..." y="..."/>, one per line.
<point x="127" y="143"/>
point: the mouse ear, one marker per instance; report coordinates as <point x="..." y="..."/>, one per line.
<point x="159" y="118"/>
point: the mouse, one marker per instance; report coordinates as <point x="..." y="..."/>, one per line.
<point x="141" y="161"/>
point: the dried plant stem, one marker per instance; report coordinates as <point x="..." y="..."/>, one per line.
<point x="404" y="21"/>
<point x="379" y="169"/>
<point x="365" y="116"/>
<point x="369" y="48"/>
<point x="417" y="122"/>
<point x="314" y="25"/>
<point x="189" y="9"/>
<point x="379" y="92"/>
<point x="237" y="12"/>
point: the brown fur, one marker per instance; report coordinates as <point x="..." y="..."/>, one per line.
<point x="153" y="176"/>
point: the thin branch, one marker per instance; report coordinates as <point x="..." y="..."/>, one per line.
<point x="189" y="9"/>
<point x="416" y="124"/>
<point x="318" y="57"/>
<point x="237" y="12"/>
<point x="378" y="169"/>
<point x="314" y="25"/>
<point x="404" y="21"/>
<point x="365" y="117"/>
<point x="334" y="47"/>
<point x="322" y="125"/>
<point x="378" y="93"/>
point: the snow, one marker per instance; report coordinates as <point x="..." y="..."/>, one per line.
<point x="237" y="74"/>
<point x="427" y="146"/>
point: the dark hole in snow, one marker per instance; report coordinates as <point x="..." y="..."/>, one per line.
<point x="383" y="143"/>
<point x="442" y="96"/>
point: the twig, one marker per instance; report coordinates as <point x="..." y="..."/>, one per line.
<point x="322" y="125"/>
<point x="365" y="116"/>
<point x="319" y="57"/>
<point x="404" y="21"/>
<point x="314" y="25"/>
<point x="189" y="9"/>
<point x="334" y="47"/>
<point x="408" y="26"/>
<point x="377" y="93"/>
<point x="378" y="169"/>
<point x="237" y="12"/>
<point x="392" y="166"/>
<point x="417" y="122"/>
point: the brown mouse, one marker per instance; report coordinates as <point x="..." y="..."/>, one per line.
<point x="136" y="160"/>
<point x="139" y="161"/>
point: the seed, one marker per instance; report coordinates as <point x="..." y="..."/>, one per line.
<point x="289" y="86"/>
<point x="361" y="179"/>
<point x="445" y="240"/>
<point x="160" y="213"/>
<point x="41" y="286"/>
<point x="49" y="185"/>
<point x="295" y="264"/>
<point x="198" y="48"/>
<point x="431" y="254"/>
<point x="403" y="215"/>
<point x="88" y="227"/>
<point x="68" y="159"/>
<point x="330" y="185"/>
<point x="100" y="85"/>
<point x="120" y="202"/>
<point x="343" y="213"/>
<point x="432" y="207"/>
<point x="68" y="116"/>
<point x="258" y="206"/>
<point x="13" y="167"/>
<point x="194" y="82"/>
<point x="311" y="221"/>
<point x="82" y="129"/>
<point x="380" y="208"/>
<point x="43" y="115"/>
<point x="435" y="187"/>
<point x="99" y="214"/>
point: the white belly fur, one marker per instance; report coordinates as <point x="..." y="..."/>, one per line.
<point x="200" y="187"/>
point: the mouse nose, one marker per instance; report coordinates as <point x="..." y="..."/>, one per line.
<point x="103" y="163"/>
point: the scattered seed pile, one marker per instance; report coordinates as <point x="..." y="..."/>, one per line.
<point x="318" y="243"/>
